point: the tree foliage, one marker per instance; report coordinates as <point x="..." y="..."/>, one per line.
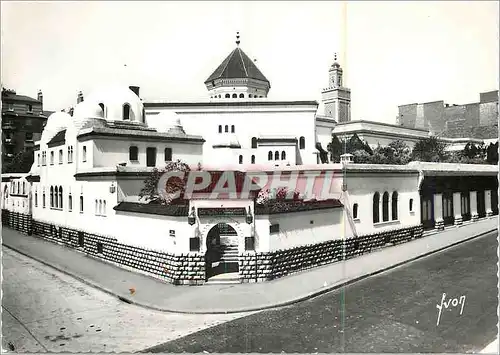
<point x="430" y="150"/>
<point x="151" y="191"/>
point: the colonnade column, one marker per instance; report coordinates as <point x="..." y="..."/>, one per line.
<point x="473" y="206"/>
<point x="487" y="203"/>
<point x="457" y="208"/>
<point x="438" y="211"/>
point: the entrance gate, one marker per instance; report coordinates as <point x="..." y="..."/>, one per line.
<point x="222" y="250"/>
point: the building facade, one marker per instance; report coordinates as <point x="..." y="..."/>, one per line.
<point x="23" y="119"/>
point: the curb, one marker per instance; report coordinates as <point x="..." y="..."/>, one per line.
<point x="310" y="295"/>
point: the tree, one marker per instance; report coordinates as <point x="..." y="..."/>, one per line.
<point x="492" y="153"/>
<point x="335" y="148"/>
<point x="401" y="153"/>
<point x="20" y="163"/>
<point x="429" y="149"/>
<point x="361" y="157"/>
<point x="150" y="191"/>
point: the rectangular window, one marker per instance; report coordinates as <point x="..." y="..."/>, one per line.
<point x="52" y="158"/>
<point x="249" y="243"/>
<point x="81" y="204"/>
<point x="38" y="159"/>
<point x="84" y="154"/>
<point x="10" y="107"/>
<point x="29" y="136"/>
<point x="60" y="156"/>
<point x="43" y="199"/>
<point x="168" y="154"/>
<point x="81" y="239"/>
<point x="30" y="108"/>
<point x="36" y="199"/>
<point x="70" y="203"/>
<point x="194" y="244"/>
<point x="150" y="156"/>
<point x="274" y="228"/>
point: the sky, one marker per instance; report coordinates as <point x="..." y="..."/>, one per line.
<point x="393" y="53"/>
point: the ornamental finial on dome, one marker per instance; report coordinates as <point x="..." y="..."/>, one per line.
<point x="237" y="38"/>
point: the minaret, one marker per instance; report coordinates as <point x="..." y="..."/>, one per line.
<point x="337" y="98"/>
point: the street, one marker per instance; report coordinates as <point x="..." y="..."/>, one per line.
<point x="44" y="310"/>
<point x="393" y="312"/>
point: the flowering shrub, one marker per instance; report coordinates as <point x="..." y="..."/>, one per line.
<point x="150" y="190"/>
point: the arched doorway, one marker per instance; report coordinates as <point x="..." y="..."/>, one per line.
<point x="222" y="250"/>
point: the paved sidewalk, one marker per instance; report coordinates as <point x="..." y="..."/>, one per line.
<point x="492" y="348"/>
<point x="232" y="298"/>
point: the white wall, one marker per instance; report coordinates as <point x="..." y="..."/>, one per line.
<point x="295" y="229"/>
<point x="279" y="120"/>
<point x="361" y="191"/>
<point x="110" y="152"/>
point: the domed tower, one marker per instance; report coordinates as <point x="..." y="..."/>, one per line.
<point x="237" y="77"/>
<point x="336" y="97"/>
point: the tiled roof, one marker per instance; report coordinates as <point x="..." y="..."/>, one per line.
<point x="137" y="133"/>
<point x="59" y="138"/>
<point x="237" y="65"/>
<point x="11" y="96"/>
<point x="276" y="206"/>
<point x="179" y="210"/>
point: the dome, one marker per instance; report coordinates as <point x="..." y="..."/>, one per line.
<point x="227" y="141"/>
<point x="169" y="122"/>
<point x="118" y="103"/>
<point x="56" y="122"/>
<point x="87" y="109"/>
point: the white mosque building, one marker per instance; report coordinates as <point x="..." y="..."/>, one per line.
<point x="83" y="189"/>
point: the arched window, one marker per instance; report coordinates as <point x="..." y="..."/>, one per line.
<point x="43" y="199"/>
<point x="70" y="202"/>
<point x="51" y="196"/>
<point x="104" y="208"/>
<point x="302" y="143"/>
<point x="60" y="197"/>
<point x="96" y="207"/>
<point x="168" y="154"/>
<point x="355" y="211"/>
<point x="36" y="199"/>
<point x="227" y="96"/>
<point x="133" y="153"/>
<point x="84" y="154"/>
<point x="56" y="197"/>
<point x="376" y="202"/>
<point x="226" y="128"/>
<point x="143" y="114"/>
<point x="385" y="207"/>
<point x="232" y="128"/>
<point x="235" y="96"/>
<point x="276" y="155"/>
<point x="250" y="95"/>
<point x="270" y="156"/>
<point x="100" y="207"/>
<point x="126" y="112"/>
<point x="283" y="155"/>
<point x="394" y="206"/>
<point x="240" y="159"/>
<point x="254" y="142"/>
<point x="101" y="105"/>
<point x="81" y="204"/>
<point x="253" y="159"/>
<point x="242" y="96"/>
<point x="411" y="205"/>
<point x="220" y="128"/>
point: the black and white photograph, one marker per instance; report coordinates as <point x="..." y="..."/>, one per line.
<point x="249" y="177"/>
